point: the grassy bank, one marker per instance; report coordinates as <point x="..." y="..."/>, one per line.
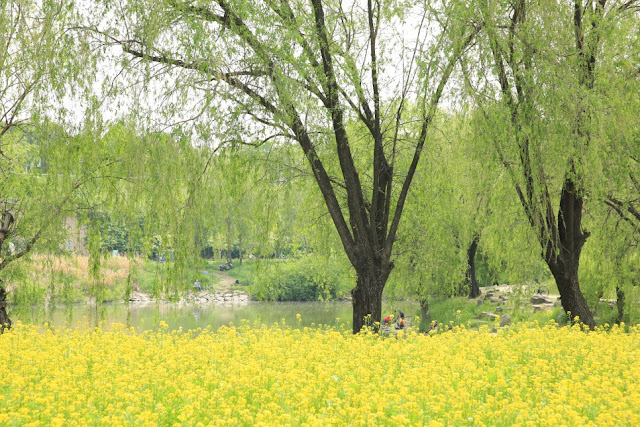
<point x="68" y="279"/>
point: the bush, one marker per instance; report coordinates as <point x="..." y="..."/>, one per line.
<point x="303" y="279"/>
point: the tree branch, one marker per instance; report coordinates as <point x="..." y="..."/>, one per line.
<point x="427" y="118"/>
<point x="27" y="248"/>
<point x="355" y="199"/>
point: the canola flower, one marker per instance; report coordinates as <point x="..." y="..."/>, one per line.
<point x="524" y="375"/>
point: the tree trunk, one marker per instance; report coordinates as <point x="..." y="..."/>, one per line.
<point x="564" y="261"/>
<point x="5" y="322"/>
<point x="367" y="297"/>
<point x="474" y="289"/>
<point x="573" y="302"/>
<point x="620" y="303"/>
<point x="424" y="314"/>
<point x="229" y="238"/>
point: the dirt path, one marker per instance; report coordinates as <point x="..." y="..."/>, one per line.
<point x="226" y="282"/>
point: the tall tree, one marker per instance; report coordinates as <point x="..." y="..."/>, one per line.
<point x="38" y="58"/>
<point x="298" y="71"/>
<point x="543" y="129"/>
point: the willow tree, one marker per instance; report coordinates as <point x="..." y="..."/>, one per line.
<point x="618" y="121"/>
<point x="613" y="262"/>
<point x="39" y="59"/>
<point x="543" y="67"/>
<point x="297" y="71"/>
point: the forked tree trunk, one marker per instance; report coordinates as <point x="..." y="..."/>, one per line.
<point x="367" y="226"/>
<point x="564" y="262"/>
<point x="474" y="289"/>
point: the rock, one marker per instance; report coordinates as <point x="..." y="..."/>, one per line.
<point x="490" y="316"/>
<point x="540" y="307"/>
<point x="505" y="320"/>
<point x="499" y="309"/>
<point x="479" y="302"/>
<point x="561" y="319"/>
<point x="489" y="294"/>
<point x="537" y="299"/>
<point x="139" y="297"/>
<point x="495" y="300"/>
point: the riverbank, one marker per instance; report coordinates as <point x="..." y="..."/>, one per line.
<point x="64" y="281"/>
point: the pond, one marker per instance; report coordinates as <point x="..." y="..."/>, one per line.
<point x="147" y="316"/>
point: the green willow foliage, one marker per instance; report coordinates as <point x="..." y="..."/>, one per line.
<point x="189" y="145"/>
<point x="290" y="72"/>
<point x="544" y="96"/>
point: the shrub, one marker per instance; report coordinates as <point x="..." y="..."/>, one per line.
<point x="307" y="278"/>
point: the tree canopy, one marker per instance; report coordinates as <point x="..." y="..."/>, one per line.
<point x="299" y="72"/>
<point x="410" y="135"/>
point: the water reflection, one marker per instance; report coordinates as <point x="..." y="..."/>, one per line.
<point x="147" y="316"/>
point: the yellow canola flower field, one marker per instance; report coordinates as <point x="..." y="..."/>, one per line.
<point x="526" y="375"/>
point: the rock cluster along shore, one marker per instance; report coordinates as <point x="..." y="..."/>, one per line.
<point x="221" y="296"/>
<point x="226" y="296"/>
<point x="502" y="295"/>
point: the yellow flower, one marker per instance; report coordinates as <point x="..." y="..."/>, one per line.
<point x="526" y="375"/>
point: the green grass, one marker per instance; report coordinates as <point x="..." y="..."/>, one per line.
<point x="152" y="276"/>
<point x="243" y="273"/>
<point x="457" y="310"/>
<point x="445" y="310"/>
<point x="149" y="276"/>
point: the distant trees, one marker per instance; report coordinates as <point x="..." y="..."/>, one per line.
<point x="446" y="218"/>
<point x="46" y="172"/>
